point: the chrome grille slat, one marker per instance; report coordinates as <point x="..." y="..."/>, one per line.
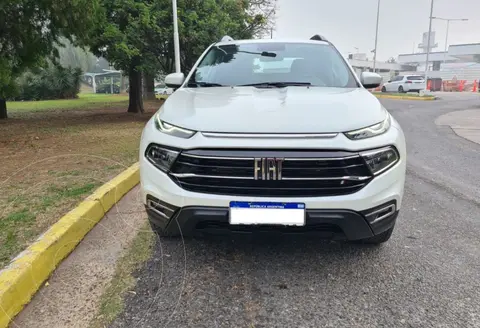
<point x="321" y="158"/>
<point x="271" y="135"/>
<point x="193" y="175"/>
<point x="304" y="173"/>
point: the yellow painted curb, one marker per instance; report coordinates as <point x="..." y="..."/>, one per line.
<point x="404" y="97"/>
<point x="20" y="280"/>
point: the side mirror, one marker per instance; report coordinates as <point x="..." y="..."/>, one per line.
<point x="174" y="80"/>
<point x="370" y="80"/>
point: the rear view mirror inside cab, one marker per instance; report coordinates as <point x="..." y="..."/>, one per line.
<point x="270" y="47"/>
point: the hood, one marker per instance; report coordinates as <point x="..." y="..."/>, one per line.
<point x="272" y="110"/>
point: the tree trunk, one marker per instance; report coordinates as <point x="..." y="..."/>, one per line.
<point x="135" y="92"/>
<point x="149" y="83"/>
<point x="3" y="109"/>
<point x="122" y="83"/>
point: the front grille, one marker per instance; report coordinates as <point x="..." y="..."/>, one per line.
<point x="304" y="173"/>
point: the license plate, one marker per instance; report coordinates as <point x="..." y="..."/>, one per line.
<point x="254" y="213"/>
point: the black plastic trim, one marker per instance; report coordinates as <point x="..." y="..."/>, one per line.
<point x="331" y="224"/>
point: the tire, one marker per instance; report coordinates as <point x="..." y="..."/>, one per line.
<point x="378" y="239"/>
<point x="400" y="89"/>
<point x="384" y="89"/>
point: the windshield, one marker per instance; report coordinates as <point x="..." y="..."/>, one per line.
<point x="415" y="78"/>
<point x="282" y="63"/>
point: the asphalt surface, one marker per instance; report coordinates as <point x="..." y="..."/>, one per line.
<point x="427" y="275"/>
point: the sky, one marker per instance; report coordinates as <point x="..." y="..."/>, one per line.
<point x="350" y="24"/>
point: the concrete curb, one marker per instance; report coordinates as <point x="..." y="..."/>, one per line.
<point x="404" y="97"/>
<point x="21" y="279"/>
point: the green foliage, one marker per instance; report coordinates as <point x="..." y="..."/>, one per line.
<point x="123" y="36"/>
<point x="138" y="34"/>
<point x="30" y="30"/>
<point x="202" y="23"/>
<point x="50" y="83"/>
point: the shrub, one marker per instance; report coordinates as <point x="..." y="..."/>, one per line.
<point x="54" y="82"/>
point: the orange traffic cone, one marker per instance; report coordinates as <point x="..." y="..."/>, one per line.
<point x="429" y="85"/>
<point x="475" y="86"/>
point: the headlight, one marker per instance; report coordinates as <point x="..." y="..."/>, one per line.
<point x="161" y="157"/>
<point x="380" y="160"/>
<point x="370" y="131"/>
<point x="172" y="129"/>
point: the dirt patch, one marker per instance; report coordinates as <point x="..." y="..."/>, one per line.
<point x="53" y="159"/>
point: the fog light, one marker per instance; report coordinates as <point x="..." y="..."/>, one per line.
<point x="163" y="210"/>
<point x="381" y="213"/>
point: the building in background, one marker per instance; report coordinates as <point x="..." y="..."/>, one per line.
<point x="360" y="63"/>
<point x="423" y="46"/>
<point x="460" y="63"/>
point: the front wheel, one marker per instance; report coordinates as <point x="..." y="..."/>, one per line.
<point x="384" y="89"/>
<point x="400" y="90"/>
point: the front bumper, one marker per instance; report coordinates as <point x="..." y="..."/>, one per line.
<point x="332" y="224"/>
<point x="414" y="88"/>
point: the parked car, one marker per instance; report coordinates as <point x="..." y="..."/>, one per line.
<point x="304" y="149"/>
<point x="107" y="88"/>
<point x="405" y="83"/>
<point x="163" y="90"/>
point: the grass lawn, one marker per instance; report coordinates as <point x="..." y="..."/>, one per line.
<point x="401" y="95"/>
<point x="54" y="154"/>
<point x="85" y="100"/>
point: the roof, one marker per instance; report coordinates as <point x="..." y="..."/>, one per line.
<point x="297" y="40"/>
<point x="465" y="44"/>
<point x="423" y="53"/>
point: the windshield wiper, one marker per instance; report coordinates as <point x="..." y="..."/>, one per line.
<point x="206" y="84"/>
<point x="276" y="84"/>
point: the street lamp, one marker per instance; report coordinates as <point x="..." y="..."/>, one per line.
<point x="176" y="40"/>
<point x="376" y="37"/>
<point x="428" y="45"/>
<point x="448" y="26"/>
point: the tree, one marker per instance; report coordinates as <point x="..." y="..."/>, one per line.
<point x="124" y="39"/>
<point x="137" y="35"/>
<point x="203" y="22"/>
<point x="30" y="30"/>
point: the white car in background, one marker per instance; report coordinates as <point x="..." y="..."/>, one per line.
<point x="405" y="83"/>
<point x="162" y="89"/>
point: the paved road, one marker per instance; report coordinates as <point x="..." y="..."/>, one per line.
<point x="428" y="275"/>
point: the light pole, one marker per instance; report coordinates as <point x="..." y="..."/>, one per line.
<point x="376" y="38"/>
<point x="448" y="26"/>
<point x="428" y="45"/>
<point x="176" y="40"/>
